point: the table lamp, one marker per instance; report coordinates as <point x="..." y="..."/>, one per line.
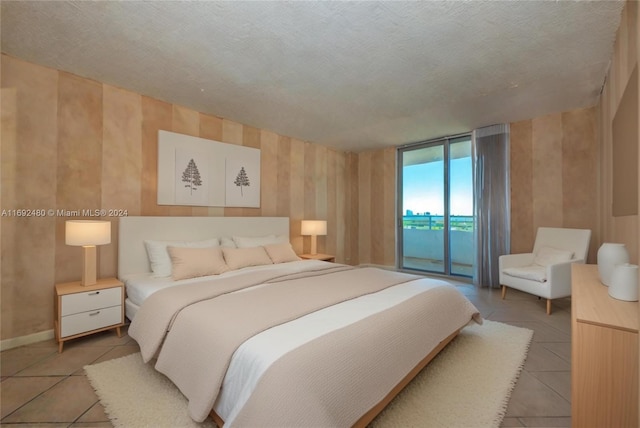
<point x="88" y="234"/>
<point x="314" y="228"/>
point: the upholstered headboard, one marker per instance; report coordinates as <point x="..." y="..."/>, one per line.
<point x="133" y="231"/>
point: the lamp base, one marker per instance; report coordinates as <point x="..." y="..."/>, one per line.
<point x="314" y="245"/>
<point x="88" y="265"/>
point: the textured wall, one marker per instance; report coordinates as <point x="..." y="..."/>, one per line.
<point x="71" y="143"/>
<point x="377" y="206"/>
<point x="554" y="176"/>
<point x="622" y="229"/>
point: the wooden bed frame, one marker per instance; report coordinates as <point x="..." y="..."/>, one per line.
<point x="375" y="410"/>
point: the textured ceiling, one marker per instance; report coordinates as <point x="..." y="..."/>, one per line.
<point x="353" y="75"/>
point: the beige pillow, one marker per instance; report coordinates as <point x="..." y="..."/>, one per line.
<point x="195" y="262"/>
<point x="281" y="253"/>
<point x="259" y="241"/>
<point x="159" y="257"/>
<point x="237" y="258"/>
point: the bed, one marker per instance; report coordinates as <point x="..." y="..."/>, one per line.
<point x="277" y="341"/>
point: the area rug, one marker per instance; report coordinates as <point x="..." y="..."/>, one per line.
<point x="467" y="385"/>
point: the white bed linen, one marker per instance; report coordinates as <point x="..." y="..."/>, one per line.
<point x="140" y="286"/>
<point x="253" y="358"/>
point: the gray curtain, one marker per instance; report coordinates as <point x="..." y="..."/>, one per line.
<point x="491" y="201"/>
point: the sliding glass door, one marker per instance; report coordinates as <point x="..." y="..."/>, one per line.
<point x="436" y="207"/>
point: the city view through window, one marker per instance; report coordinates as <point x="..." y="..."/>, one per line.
<point x="426" y="243"/>
<point x="423" y="195"/>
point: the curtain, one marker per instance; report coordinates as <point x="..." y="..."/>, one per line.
<point x="491" y="201"/>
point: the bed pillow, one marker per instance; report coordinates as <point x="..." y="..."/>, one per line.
<point x="227" y="242"/>
<point x="260" y="241"/>
<point x="159" y="257"/>
<point x="189" y="262"/>
<point x="549" y="256"/>
<point x="281" y="253"/>
<point x="237" y="258"/>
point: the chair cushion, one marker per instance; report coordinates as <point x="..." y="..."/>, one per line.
<point x="549" y="256"/>
<point x="533" y="273"/>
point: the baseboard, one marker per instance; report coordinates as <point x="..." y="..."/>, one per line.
<point x="14" y="342"/>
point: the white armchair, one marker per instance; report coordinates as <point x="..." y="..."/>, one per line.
<point x="546" y="272"/>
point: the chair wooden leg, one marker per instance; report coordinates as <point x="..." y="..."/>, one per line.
<point x="504" y="291"/>
<point x="548" y="306"/>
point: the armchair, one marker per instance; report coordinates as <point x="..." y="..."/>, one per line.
<point x="546" y="271"/>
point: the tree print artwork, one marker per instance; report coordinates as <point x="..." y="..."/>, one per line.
<point x="194" y="171"/>
<point x="191" y="176"/>
<point x="242" y="180"/>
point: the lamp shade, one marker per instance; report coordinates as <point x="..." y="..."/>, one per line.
<point x="314" y="227"/>
<point x="87" y="232"/>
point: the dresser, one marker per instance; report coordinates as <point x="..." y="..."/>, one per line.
<point x="604" y="354"/>
<point x="83" y="310"/>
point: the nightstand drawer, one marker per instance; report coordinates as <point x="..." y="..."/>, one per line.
<point x="82" y="302"/>
<point x="90" y="320"/>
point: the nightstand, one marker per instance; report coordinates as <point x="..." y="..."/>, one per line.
<point x="83" y="310"/>
<point x="324" y="257"/>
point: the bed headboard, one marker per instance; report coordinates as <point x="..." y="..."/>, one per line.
<point x="134" y="230"/>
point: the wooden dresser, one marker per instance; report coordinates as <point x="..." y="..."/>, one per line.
<point x="604" y="354"/>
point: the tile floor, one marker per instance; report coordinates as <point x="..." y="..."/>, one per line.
<point x="42" y="388"/>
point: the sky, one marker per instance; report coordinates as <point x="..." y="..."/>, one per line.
<point x="424" y="188"/>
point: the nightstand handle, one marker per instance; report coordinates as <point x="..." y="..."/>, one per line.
<point x="94" y="293"/>
<point x="94" y="313"/>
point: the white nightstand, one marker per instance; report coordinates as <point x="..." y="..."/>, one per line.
<point x="325" y="257"/>
<point x="83" y="310"/>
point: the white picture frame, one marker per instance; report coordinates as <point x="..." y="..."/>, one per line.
<point x="175" y="151"/>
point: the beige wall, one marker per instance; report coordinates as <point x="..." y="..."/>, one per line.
<point x="376" y="206"/>
<point x="554" y="176"/>
<point x="73" y="143"/>
<point x="626" y="53"/>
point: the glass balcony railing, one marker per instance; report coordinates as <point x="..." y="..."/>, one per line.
<point x="423" y="244"/>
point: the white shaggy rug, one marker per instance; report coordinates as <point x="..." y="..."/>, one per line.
<point x="467" y="385"/>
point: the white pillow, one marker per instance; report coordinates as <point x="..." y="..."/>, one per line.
<point x="549" y="256"/>
<point x="159" y="257"/>
<point x="260" y="241"/>
<point x="195" y="262"/>
<point x="227" y="242"/>
<point x="237" y="258"/>
<point x="281" y="253"/>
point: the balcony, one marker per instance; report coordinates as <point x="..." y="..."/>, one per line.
<point x="423" y="244"/>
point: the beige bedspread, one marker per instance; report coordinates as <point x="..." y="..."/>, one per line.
<point x="204" y="334"/>
<point x="158" y="312"/>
